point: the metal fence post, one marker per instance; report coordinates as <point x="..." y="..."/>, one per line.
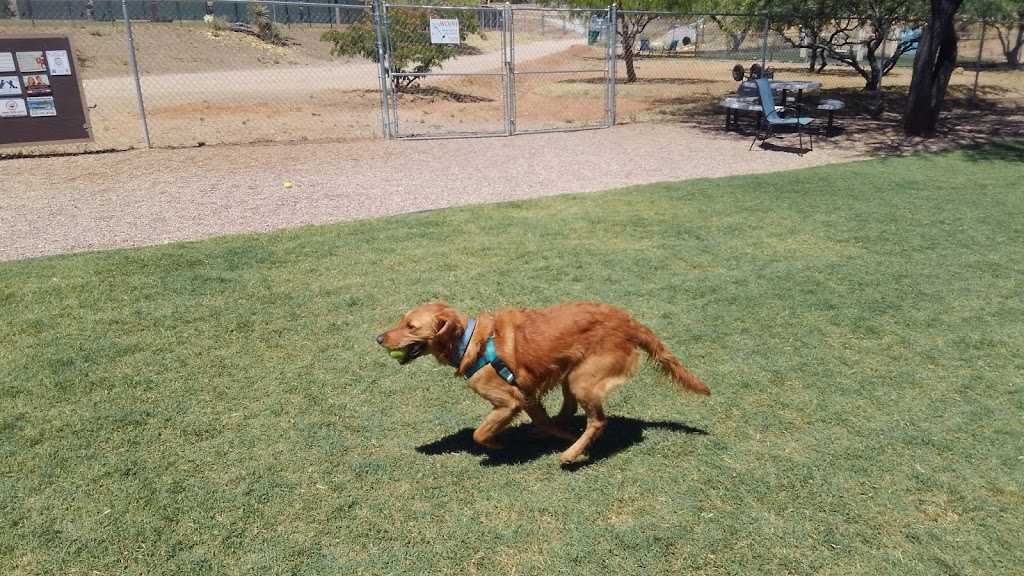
<point x="135" y="73"/>
<point x="508" y="49"/>
<point x="382" y="71"/>
<point x="388" y="51"/>
<point x="612" y="31"/>
<point x="764" y="45"/>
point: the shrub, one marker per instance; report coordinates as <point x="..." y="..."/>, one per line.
<point x="411" y="50"/>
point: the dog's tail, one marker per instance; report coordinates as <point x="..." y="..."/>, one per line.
<point x="668" y="361"/>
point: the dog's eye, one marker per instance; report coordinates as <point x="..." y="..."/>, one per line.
<point x="410" y="326"/>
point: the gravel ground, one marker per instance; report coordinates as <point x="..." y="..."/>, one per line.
<point x="104" y="201"/>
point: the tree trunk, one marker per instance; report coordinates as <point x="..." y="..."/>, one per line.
<point x="872" y="80"/>
<point x="736" y="41"/>
<point x="628" y="30"/>
<point x="628" y="34"/>
<point x="1012" y="51"/>
<point x="1013" y="54"/>
<point x="812" y="62"/>
<point x="627" y="57"/>
<point x="933" y="65"/>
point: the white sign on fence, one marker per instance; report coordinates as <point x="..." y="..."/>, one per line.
<point x="444" y="31"/>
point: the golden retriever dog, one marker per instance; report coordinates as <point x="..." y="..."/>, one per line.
<point x="516" y="355"/>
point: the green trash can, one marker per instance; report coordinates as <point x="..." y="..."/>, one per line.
<point x="592" y="37"/>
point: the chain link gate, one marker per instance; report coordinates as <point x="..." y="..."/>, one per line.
<point x="502" y="82"/>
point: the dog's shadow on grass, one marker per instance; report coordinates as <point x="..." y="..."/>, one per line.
<point x="521" y="447"/>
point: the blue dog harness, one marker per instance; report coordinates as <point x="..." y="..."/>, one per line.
<point x="490" y="356"/>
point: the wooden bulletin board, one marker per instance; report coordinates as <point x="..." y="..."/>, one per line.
<point x="41" y="96"/>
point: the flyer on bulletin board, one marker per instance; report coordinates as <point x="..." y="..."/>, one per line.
<point x="31" y="61"/>
<point x="10" y="86"/>
<point x="59" y="63"/>
<point x="12" y="108"/>
<point x="37" y="85"/>
<point x="41" y="106"/>
<point x="7" y="62"/>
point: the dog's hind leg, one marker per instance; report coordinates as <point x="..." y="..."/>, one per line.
<point x="545" y="425"/>
<point x="569" y="405"/>
<point x="596" y="421"/>
<point x="591" y="398"/>
<point x="557" y="427"/>
<point x="589" y="383"/>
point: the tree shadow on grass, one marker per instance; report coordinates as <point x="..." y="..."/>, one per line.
<point x="520" y="447"/>
<point x="1000" y="151"/>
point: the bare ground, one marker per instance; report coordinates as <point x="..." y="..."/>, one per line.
<point x="102" y="201"/>
<point x="90" y="202"/>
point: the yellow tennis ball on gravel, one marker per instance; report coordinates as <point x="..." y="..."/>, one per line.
<point x="287" y="185"/>
<point x="397" y="354"/>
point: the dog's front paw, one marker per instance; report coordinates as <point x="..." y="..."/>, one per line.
<point x="487" y="441"/>
<point x="492" y="445"/>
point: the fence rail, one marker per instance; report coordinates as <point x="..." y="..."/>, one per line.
<point x="203" y="81"/>
<point x="178" y="10"/>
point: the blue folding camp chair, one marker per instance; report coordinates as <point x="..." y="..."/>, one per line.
<point x="773" y="117"/>
<point x="645" y="47"/>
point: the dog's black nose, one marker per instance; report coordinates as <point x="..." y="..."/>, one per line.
<point x="380" y="339"/>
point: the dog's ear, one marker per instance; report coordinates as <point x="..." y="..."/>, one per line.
<point x="446" y="322"/>
<point x="447" y="332"/>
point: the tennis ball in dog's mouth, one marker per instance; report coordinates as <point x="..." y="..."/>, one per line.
<point x="397" y="354"/>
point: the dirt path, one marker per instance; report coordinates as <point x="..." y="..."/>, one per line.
<point x="288" y="81"/>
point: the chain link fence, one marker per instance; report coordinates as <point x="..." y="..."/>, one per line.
<point x="508" y="74"/>
<point x="205" y="77"/>
<point x="234" y="71"/>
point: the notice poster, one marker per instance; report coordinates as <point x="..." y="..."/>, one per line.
<point x="41" y="106"/>
<point x="31" y="61"/>
<point x="12" y="108"/>
<point x="7" y="62"/>
<point x="37" y="85"/>
<point x="10" y="86"/>
<point x="59" y="63"/>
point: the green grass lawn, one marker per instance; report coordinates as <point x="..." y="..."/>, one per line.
<point x="221" y="407"/>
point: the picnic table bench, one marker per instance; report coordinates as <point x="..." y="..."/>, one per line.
<point x="831" y="106"/>
<point x="734" y="105"/>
